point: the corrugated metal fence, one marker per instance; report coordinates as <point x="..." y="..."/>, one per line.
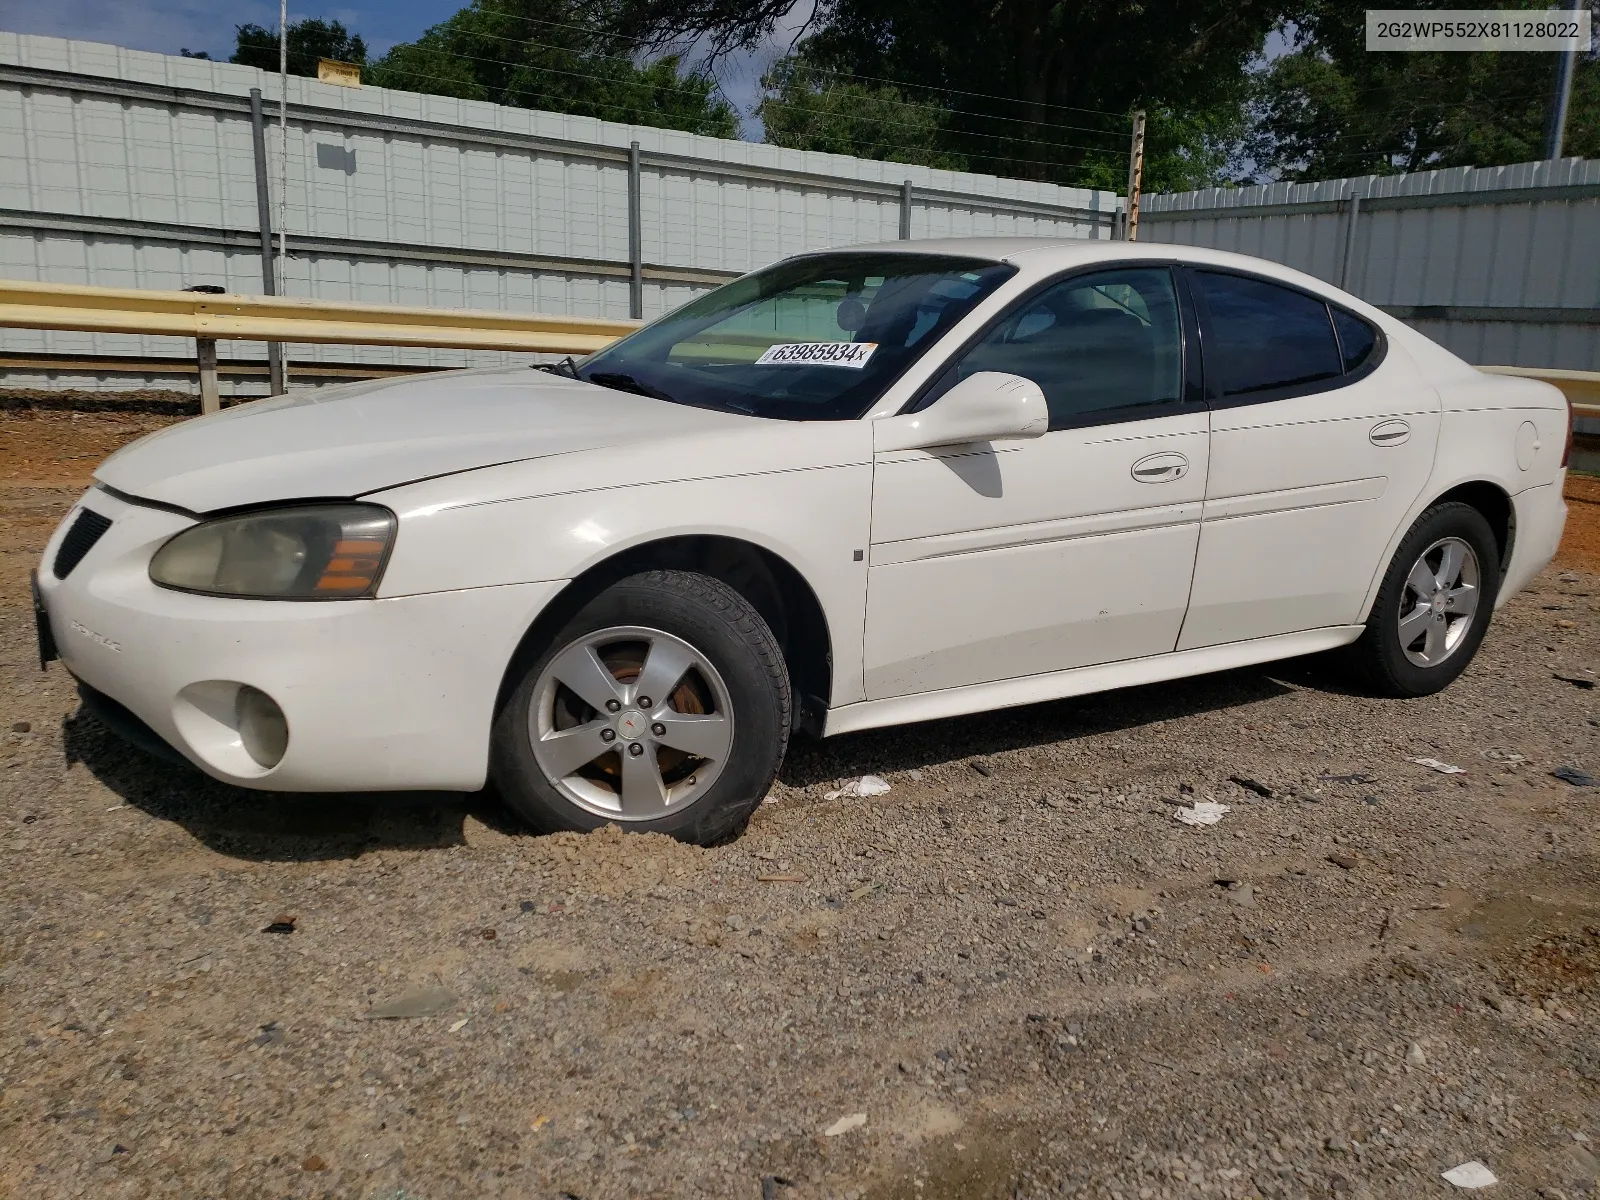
<point x="1500" y="264"/>
<point x="130" y="169"/>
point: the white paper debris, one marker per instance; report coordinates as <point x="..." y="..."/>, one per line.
<point x="867" y="785"/>
<point x="1204" y="812"/>
<point x="846" y="1124"/>
<point x="1471" y="1175"/>
<point x="459" y="1025"/>
<point x="1443" y="768"/>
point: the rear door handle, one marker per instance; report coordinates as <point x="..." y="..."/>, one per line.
<point x="1161" y="468"/>
<point x="1390" y="433"/>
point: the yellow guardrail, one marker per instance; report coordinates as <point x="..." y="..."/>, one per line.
<point x="211" y="318"/>
<point x="1582" y="388"/>
<point x="26" y="305"/>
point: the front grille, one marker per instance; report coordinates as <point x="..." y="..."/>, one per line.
<point x="88" y="529"/>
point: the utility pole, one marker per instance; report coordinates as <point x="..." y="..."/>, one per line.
<point x="1556" y="128"/>
<point x="283" y="188"/>
<point x="258" y="138"/>
<point x="1130" y="219"/>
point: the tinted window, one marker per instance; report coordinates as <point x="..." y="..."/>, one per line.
<point x="1357" y="339"/>
<point x="1265" y="337"/>
<point x="1093" y="343"/>
<point x="816" y="338"/>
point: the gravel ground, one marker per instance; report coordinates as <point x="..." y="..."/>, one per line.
<point x="1027" y="976"/>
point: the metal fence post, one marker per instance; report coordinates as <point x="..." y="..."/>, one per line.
<point x="635" y="237"/>
<point x="1352" y="216"/>
<point x="205" y="354"/>
<point x="269" y="282"/>
<point x="905" y="211"/>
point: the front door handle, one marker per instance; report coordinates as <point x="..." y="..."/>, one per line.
<point x="1161" y="468"/>
<point x="1390" y="433"/>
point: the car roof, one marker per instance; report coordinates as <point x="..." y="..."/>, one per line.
<point x="997" y="249"/>
<point x="1041" y="256"/>
<point x="1051" y="252"/>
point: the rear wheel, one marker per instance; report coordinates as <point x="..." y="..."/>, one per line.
<point x="1434" y="605"/>
<point x="662" y="706"/>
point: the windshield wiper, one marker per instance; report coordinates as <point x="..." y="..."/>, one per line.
<point x="566" y="367"/>
<point x="619" y="382"/>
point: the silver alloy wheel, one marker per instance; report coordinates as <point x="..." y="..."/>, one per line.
<point x="1440" y="602"/>
<point x="631" y="723"/>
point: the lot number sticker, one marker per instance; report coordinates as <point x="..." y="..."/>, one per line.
<point x="821" y="354"/>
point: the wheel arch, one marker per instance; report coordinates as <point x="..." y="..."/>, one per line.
<point x="774" y="587"/>
<point x="1494" y="503"/>
<point x="1487" y="497"/>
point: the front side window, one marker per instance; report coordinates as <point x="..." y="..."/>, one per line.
<point x="1265" y="337"/>
<point x="1094" y="343"/>
<point x="816" y="338"/>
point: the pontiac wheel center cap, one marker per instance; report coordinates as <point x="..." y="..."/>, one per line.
<point x="1438" y="603"/>
<point x="632" y="725"/>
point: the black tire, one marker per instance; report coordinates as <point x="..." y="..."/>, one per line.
<point x="1378" y="658"/>
<point x="718" y="623"/>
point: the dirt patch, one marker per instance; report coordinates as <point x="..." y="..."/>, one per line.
<point x="1580" y="544"/>
<point x="48" y="448"/>
<point x="1544" y="934"/>
<point x="1560" y="964"/>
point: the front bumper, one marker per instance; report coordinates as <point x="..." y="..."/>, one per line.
<point x="377" y="694"/>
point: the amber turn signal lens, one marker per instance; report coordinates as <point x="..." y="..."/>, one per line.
<point x="353" y="566"/>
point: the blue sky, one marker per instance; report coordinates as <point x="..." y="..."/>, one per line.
<point x="169" y="25"/>
<point x="166" y="26"/>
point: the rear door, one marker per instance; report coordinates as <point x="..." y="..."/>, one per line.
<point x="1322" y="437"/>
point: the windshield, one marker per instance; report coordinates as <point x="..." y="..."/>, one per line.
<point x="817" y="338"/>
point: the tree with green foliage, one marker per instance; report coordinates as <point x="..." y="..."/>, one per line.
<point x="1329" y="108"/>
<point x="804" y="109"/>
<point x="309" y="40"/>
<point x="548" y="54"/>
<point x="1028" y="88"/>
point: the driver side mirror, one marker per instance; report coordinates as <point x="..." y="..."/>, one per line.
<point x="989" y="406"/>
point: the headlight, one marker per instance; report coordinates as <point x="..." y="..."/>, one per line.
<point x="312" y="552"/>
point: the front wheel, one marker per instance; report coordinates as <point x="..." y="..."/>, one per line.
<point x="662" y="706"/>
<point x="1434" y="605"/>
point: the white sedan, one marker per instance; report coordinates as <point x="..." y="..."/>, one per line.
<point x="857" y="488"/>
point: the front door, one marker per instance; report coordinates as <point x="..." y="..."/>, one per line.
<point x="998" y="560"/>
<point x="1320" y="444"/>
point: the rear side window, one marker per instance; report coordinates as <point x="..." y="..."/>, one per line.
<point x="1265" y="337"/>
<point x="1357" y="339"/>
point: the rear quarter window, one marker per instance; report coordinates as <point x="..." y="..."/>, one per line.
<point x="1357" y="340"/>
<point x="1266" y="338"/>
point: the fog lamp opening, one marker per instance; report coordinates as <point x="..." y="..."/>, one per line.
<point x="263" y="729"/>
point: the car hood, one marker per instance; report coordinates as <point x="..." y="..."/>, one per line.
<point x="358" y="438"/>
